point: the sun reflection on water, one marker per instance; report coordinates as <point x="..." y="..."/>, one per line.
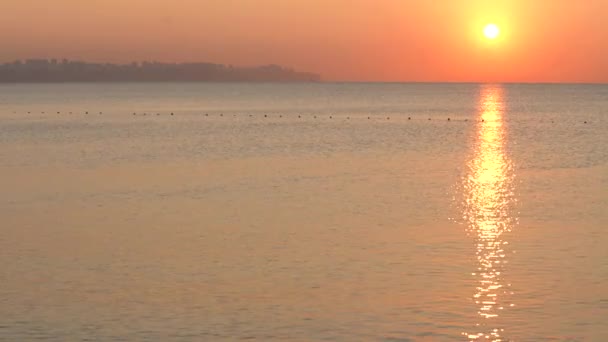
<point x="488" y="212"/>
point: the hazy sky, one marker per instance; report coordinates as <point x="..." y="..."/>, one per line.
<point x="375" y="40"/>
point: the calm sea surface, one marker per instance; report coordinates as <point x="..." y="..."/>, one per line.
<point x="303" y="212"/>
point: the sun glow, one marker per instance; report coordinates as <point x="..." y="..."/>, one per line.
<point x="491" y="31"/>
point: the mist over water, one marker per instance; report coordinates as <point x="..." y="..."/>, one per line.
<point x="389" y="212"/>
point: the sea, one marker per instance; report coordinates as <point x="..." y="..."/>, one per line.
<point x="303" y="212"/>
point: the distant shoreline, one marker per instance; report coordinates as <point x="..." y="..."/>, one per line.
<point x="66" y="71"/>
<point x="170" y="82"/>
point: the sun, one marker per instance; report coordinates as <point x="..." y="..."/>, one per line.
<point x="491" y="31"/>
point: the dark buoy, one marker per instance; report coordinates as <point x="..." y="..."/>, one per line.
<point x="409" y="118"/>
<point x="449" y="119"/>
<point x="585" y="122"/>
<point x="483" y="120"/>
<point x="368" y="118"/>
<point x="86" y="112"/>
<point x="315" y="116"/>
<point x="331" y="117"/>
<point x="429" y="119"/>
<point x="348" y="118"/>
<point x="221" y="114"/>
<point x="280" y="116"/>
<point x="299" y="116"/>
<point x="388" y="118"/>
<point x="265" y="115"/>
<point x="171" y="113"/>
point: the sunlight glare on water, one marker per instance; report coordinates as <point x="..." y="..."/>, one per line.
<point x="489" y="198"/>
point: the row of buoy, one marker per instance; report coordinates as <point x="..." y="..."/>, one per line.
<point x="145" y="114"/>
<point x="409" y="118"/>
<point x="86" y="113"/>
<point x="251" y="115"/>
<point x="99" y="113"/>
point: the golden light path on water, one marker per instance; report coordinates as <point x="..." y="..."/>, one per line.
<point x="488" y="212"/>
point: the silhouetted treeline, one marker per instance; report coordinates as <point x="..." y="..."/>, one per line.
<point x="42" y="70"/>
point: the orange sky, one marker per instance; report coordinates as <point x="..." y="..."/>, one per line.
<point x="360" y="40"/>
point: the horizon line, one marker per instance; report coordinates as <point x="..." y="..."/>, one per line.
<point x="471" y="82"/>
<point x="324" y="82"/>
<point x="287" y="67"/>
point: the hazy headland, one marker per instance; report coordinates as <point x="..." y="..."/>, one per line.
<point x="44" y="70"/>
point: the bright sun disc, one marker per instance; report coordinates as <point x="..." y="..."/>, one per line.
<point x="491" y="31"/>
